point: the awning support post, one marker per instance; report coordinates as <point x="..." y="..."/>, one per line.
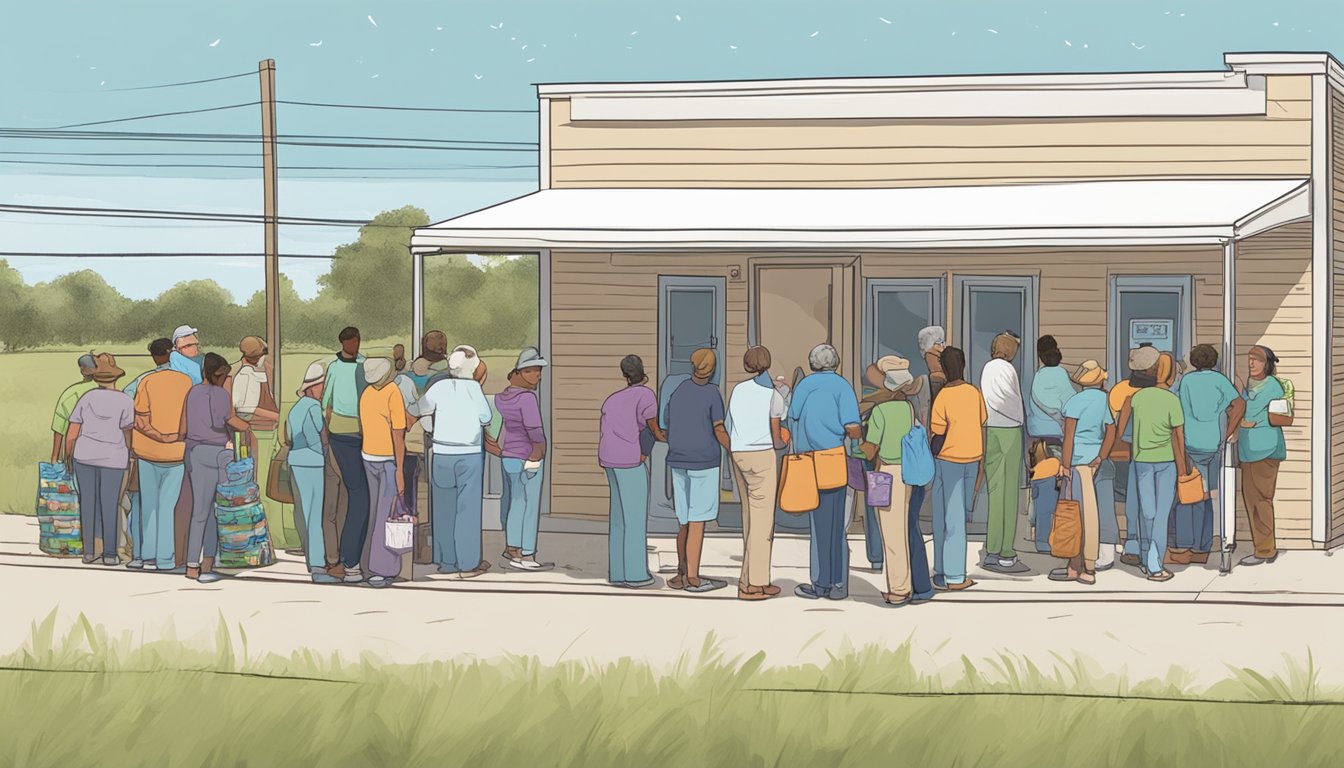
<point x="1227" y="498"/>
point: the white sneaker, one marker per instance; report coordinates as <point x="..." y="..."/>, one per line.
<point x="525" y="564"/>
<point x="1105" y="557"/>
<point x="353" y="576"/>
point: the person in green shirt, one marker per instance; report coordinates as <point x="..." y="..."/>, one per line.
<point x="1261" y="448"/>
<point x="1159" y="461"/>
<point x="60" y="420"/>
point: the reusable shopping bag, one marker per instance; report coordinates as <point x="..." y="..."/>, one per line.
<point x="879" y="488"/>
<point x="916" y="457"/>
<point x="1066" y="534"/>
<point x="399" y="531"/>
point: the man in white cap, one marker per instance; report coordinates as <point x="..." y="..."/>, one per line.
<point x="186" y="357"/>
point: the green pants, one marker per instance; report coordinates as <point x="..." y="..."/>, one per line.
<point x="1003" y="458"/>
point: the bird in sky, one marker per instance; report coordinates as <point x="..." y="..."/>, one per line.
<point x="318" y="44"/>
<point x="884" y="21"/>
<point x="478" y="77"/>
<point x="212" y="45"/>
<point x="678" y="17"/>
<point x="814" y="34"/>
<point x="371" y="21"/>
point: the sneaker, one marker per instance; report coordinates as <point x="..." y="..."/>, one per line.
<point x="649" y="582"/>
<point x="1106" y="557"/>
<point x="706" y="585"/>
<point x="353" y="576"/>
<point x="378" y="582"/>
<point x="323" y="577"/>
<point x="896" y="601"/>
<point x="1256" y="560"/>
<point x="111" y="561"/>
<point x="1132" y="560"/>
<point x="136" y="565"/>
<point x="149" y="567"/>
<point x="209" y="577"/>
<point x="90" y="559"/>
<point x="530" y="563"/>
<point x="808" y="592"/>
<point x="838" y="593"/>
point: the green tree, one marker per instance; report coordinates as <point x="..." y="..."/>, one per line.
<point x="373" y="274"/>
<point x="22" y="324"/>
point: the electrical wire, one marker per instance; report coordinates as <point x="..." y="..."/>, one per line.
<point x="160" y="114"/>
<point x="158" y="255"/>
<point x="37" y="133"/>
<point x="258" y="167"/>
<point x="186" y="82"/>
<point x="406" y="109"/>
<point x="147" y="213"/>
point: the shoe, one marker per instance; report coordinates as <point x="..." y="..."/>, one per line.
<point x="1257" y="560"/>
<point x="751" y="593"/>
<point x="1104" y="566"/>
<point x="1060" y="574"/>
<point x="352" y="576"/>
<point x="649" y="582"/>
<point x="379" y="582"/>
<point x="136" y="565"/>
<point x="209" y="577"/>
<point x="111" y="561"/>
<point x="1130" y="560"/>
<point x="325" y="578"/>
<point x="192" y="572"/>
<point x="1086" y="579"/>
<point x="525" y="564"/>
<point x="992" y="564"/>
<point x="770" y="590"/>
<point x="677" y="582"/>
<point x="918" y="598"/>
<point x="875" y="567"/>
<point x="149" y="567"/>
<point x="705" y="585"/>
<point x="90" y="559"/>
<point x="1199" y="558"/>
<point x="176" y="570"/>
<point x="337" y="570"/>
<point x="838" y="593"/>
<point x="296" y="553"/>
<point x="808" y="592"/>
<point x="896" y="600"/>
<point x="1165" y="575"/>
<point x="1106" y="557"/>
<point x="940" y="583"/>
<point x="967" y="584"/>
<point x="1012" y="566"/>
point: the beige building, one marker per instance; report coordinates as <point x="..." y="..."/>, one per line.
<point x="1105" y="209"/>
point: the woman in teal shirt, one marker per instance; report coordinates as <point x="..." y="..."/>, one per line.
<point x="1261" y="449"/>
<point x="307" y="459"/>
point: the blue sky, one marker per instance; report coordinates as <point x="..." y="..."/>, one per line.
<point x="479" y="55"/>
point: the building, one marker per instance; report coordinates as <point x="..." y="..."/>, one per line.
<point x="1105" y="209"/>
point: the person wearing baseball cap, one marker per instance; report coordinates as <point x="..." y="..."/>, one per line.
<point x="186" y="356"/>
<point x="1089" y="432"/>
<point x="523" y="449"/>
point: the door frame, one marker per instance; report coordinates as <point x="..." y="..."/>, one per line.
<point x="876" y="285"/>
<point x="1181" y="285"/>
<point x="671" y="283"/>
<point x="1030" y="285"/>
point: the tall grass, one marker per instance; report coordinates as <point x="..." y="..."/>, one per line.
<point x="84" y="695"/>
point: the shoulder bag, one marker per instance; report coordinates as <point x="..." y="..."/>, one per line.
<point x="798" y="483"/>
<point x="1066" y="534"/>
<point x="279" y="483"/>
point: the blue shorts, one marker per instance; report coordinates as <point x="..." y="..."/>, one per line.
<point x="695" y="495"/>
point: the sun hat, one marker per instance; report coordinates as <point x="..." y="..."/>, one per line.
<point x="183" y="331"/>
<point x="378" y="370"/>
<point x="463" y="362"/>
<point x="105" y="369"/>
<point x="530" y="357"/>
<point x="316" y="374"/>
<point x="897" y="370"/>
<point x="252" y="346"/>
<point x="1089" y="374"/>
<point x="1143" y="358"/>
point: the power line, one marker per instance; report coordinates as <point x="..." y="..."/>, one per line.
<point x="158" y="255"/>
<point x="150" y="117"/>
<point x="147" y="213"/>
<point x="186" y="82"/>
<point x="258" y="167"/>
<point x="134" y="154"/>
<point x="407" y="109"/>
<point x="39" y="133"/>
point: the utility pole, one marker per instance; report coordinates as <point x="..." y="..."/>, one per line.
<point x="266" y="70"/>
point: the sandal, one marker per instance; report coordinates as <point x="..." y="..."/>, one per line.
<point x="1086" y="578"/>
<point x="1165" y="575"/>
<point x="677" y="582"/>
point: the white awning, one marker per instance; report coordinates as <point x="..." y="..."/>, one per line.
<point x="1078" y="214"/>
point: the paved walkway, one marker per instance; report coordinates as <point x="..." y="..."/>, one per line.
<point x="1200" y="621"/>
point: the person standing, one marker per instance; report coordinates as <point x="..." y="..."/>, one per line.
<point x="209" y="423"/>
<point x="1050" y="390"/>
<point x="1002" y="392"/>
<point x="1142" y="360"/>
<point x="1159" y="461"/>
<point x="932" y="341"/>
<point x="60" y="418"/>
<point x="523" y="453"/>
<point x="307" y="455"/>
<point x="98" y="451"/>
<point x="957" y="426"/>
<point x="458" y="412"/>
<point x="160" y="351"/>
<point x="383" y="420"/>
<point x="346" y="382"/>
<point x="1261" y="448"/>
<point x="186" y="356"/>
<point x="825" y="415"/>
<point x="160" y="398"/>
<point x="413" y="383"/>
<point x="755" y="410"/>
<point x="627" y="416"/>
<point x="696" y="439"/>
<point x="1089" y="433"/>
<point x="254" y="402"/>
<point x="1212" y="407"/>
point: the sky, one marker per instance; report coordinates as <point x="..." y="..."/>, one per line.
<point x="68" y="63"/>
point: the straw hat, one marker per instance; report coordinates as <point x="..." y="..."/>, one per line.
<point x="316" y="374"/>
<point x="378" y="370"/>
<point x="105" y="369"/>
<point x="1089" y="374"/>
<point x="252" y="346"/>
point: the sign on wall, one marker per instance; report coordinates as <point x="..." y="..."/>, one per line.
<point x="1155" y="332"/>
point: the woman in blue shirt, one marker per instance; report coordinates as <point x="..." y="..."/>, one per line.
<point x="1261" y="448"/>
<point x="1213" y="408"/>
<point x="307" y="458"/>
<point x="1051" y="389"/>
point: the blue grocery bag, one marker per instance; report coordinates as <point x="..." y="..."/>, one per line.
<point x="916" y="457"/>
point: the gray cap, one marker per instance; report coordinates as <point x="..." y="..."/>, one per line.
<point x="1143" y="358"/>
<point x="87" y="362"/>
<point x="530" y="357"/>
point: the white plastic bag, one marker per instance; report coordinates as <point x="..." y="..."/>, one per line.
<point x="399" y="534"/>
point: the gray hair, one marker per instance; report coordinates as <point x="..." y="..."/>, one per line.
<point x="931" y="337"/>
<point x="87" y="363"/>
<point x="463" y="362"/>
<point x="823" y="357"/>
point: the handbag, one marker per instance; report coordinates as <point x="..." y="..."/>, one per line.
<point x="133" y="477"/>
<point x="855" y="469"/>
<point x="399" y="530"/>
<point x="1190" y="488"/>
<point x="831" y="468"/>
<point x="879" y="488"/>
<point x="916" y="457"/>
<point x="279" y="482"/>
<point x="1066" y="533"/>
<point x="798" y="483"/>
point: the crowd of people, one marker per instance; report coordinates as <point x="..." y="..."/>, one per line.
<point x="367" y="433"/>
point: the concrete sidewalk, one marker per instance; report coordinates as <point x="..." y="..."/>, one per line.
<point x="1200" y="621"/>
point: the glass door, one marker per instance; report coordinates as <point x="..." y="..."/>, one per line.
<point x="895" y="313"/>
<point x="1153" y="309"/>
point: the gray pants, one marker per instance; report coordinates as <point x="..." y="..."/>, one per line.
<point x="99" y="504"/>
<point x="205" y="470"/>
<point x="1105" y="482"/>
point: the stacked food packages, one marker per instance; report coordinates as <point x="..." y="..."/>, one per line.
<point x="244" y="538"/>
<point x="58" y="511"/>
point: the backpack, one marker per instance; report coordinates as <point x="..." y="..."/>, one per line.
<point x="916" y="457"/>
<point x="1288" y="392"/>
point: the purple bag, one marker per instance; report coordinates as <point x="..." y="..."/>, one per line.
<point x="879" y="489"/>
<point x="855" y="469"/>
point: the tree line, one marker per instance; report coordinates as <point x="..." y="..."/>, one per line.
<point x="491" y="305"/>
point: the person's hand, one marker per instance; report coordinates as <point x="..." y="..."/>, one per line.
<point x="1248" y="424"/>
<point x="1095" y="465"/>
<point x="401" y="483"/>
<point x="1064" y="471"/>
<point x="643" y="459"/>
<point x="1232" y="438"/>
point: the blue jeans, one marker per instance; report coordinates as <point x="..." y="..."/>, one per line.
<point x="829" y="547"/>
<point x="1194" y="522"/>
<point x="520" y="527"/>
<point x="627" y="538"/>
<point x="160" y="485"/>
<point x="310" y="485"/>
<point x="872" y="537"/>
<point x="920" y="583"/>
<point x="1108" y="527"/>
<point x="1156" y="485"/>
<point x="347" y="451"/>
<point x="456" y="500"/>
<point x="953" y="493"/>
<point x="1127" y="491"/>
<point x="133" y="524"/>
<point x="1044" y="498"/>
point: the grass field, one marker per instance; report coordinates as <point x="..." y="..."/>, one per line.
<point x="67" y="700"/>
<point x="30" y="382"/>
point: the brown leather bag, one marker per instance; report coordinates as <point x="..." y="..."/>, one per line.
<point x="1066" y="535"/>
<point x="279" y="483"/>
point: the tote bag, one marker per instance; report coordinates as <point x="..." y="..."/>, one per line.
<point x="798" y="483"/>
<point x="1190" y="488"/>
<point x="1066" y="536"/>
<point x="279" y="483"/>
<point x="831" y="468"/>
<point x="916" y="457"/>
<point x="399" y="530"/>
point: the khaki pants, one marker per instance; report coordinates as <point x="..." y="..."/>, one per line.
<point x="333" y="509"/>
<point x="757" y="481"/>
<point x="1259" y="479"/>
<point x="1084" y="491"/>
<point x="894" y="521"/>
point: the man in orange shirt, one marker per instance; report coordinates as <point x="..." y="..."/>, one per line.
<point x="958" y="423"/>
<point x="159" y="449"/>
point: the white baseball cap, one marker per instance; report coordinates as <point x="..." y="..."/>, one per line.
<point x="183" y="331"/>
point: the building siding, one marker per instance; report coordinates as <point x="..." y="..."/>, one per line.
<point x="1335" y="527"/>
<point x="895" y="153"/>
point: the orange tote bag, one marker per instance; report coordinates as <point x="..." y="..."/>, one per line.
<point x="798" y="484"/>
<point x="832" y="468"/>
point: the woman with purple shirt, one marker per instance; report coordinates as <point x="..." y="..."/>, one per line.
<point x="523" y="448"/>
<point x="98" y="451"/>
<point x="628" y="416"/>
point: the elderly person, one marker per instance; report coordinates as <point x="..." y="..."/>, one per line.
<point x="878" y="389"/>
<point x="1002" y="392"/>
<point x="383" y="420"/>
<point x="254" y="402"/>
<point x="696" y="439"/>
<point x="1261" y="448"/>
<point x="186" y="356"/>
<point x="824" y="415"/>
<point x="1212" y="408"/>
<point x="523" y="450"/>
<point x="627" y="414"/>
<point x="209" y="424"/>
<point x="1159" y="461"/>
<point x="957" y="426"/>
<point x="60" y="419"/>
<point x="307" y="459"/>
<point x="1089" y="432"/>
<point x="755" y="410"/>
<point x="159" y="396"/>
<point x="932" y="341"/>
<point x="457" y="411"/>
<point x="98" y="451"/>
<point x="887" y="425"/>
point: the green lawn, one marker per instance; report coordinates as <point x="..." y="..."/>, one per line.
<point x="66" y="700"/>
<point x="30" y="382"/>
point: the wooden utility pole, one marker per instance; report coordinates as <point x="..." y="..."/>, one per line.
<point x="266" y="70"/>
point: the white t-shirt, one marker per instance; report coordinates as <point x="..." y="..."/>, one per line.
<point x="1003" y="394"/>
<point x="247" y="384"/>
<point x="750" y="409"/>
